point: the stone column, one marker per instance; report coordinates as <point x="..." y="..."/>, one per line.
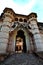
<point x="4" y="33"/>
<point x="36" y="33"/>
<point x="3" y="39"/>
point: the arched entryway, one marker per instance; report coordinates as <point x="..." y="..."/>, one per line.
<point x="20" y="45"/>
<point x="20" y="35"/>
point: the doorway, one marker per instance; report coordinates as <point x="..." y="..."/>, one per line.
<point x="20" y="45"/>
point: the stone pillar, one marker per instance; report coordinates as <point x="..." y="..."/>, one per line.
<point x="36" y="33"/>
<point x="3" y="39"/>
<point x="4" y="33"/>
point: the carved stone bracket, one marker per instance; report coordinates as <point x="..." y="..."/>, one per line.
<point x="20" y="24"/>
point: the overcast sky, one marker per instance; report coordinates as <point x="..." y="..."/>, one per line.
<point x="24" y="7"/>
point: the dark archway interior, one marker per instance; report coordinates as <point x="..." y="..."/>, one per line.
<point x="20" y="34"/>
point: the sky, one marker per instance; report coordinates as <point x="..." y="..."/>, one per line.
<point x="24" y="7"/>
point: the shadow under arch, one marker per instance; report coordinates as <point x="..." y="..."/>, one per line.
<point x="20" y="37"/>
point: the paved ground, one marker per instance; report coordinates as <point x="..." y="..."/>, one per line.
<point x="22" y="59"/>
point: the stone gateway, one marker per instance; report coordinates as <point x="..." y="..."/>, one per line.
<point x="20" y="33"/>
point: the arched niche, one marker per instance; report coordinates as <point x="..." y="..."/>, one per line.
<point x="20" y="44"/>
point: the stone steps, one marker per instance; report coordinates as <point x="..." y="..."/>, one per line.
<point x="22" y="59"/>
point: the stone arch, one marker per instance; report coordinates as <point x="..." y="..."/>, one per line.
<point x="27" y="37"/>
<point x="16" y="19"/>
<point x="25" y="20"/>
<point x="21" y="20"/>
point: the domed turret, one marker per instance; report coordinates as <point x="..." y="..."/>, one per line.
<point x="9" y="14"/>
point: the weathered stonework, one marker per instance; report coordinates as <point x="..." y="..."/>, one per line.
<point x="10" y="24"/>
